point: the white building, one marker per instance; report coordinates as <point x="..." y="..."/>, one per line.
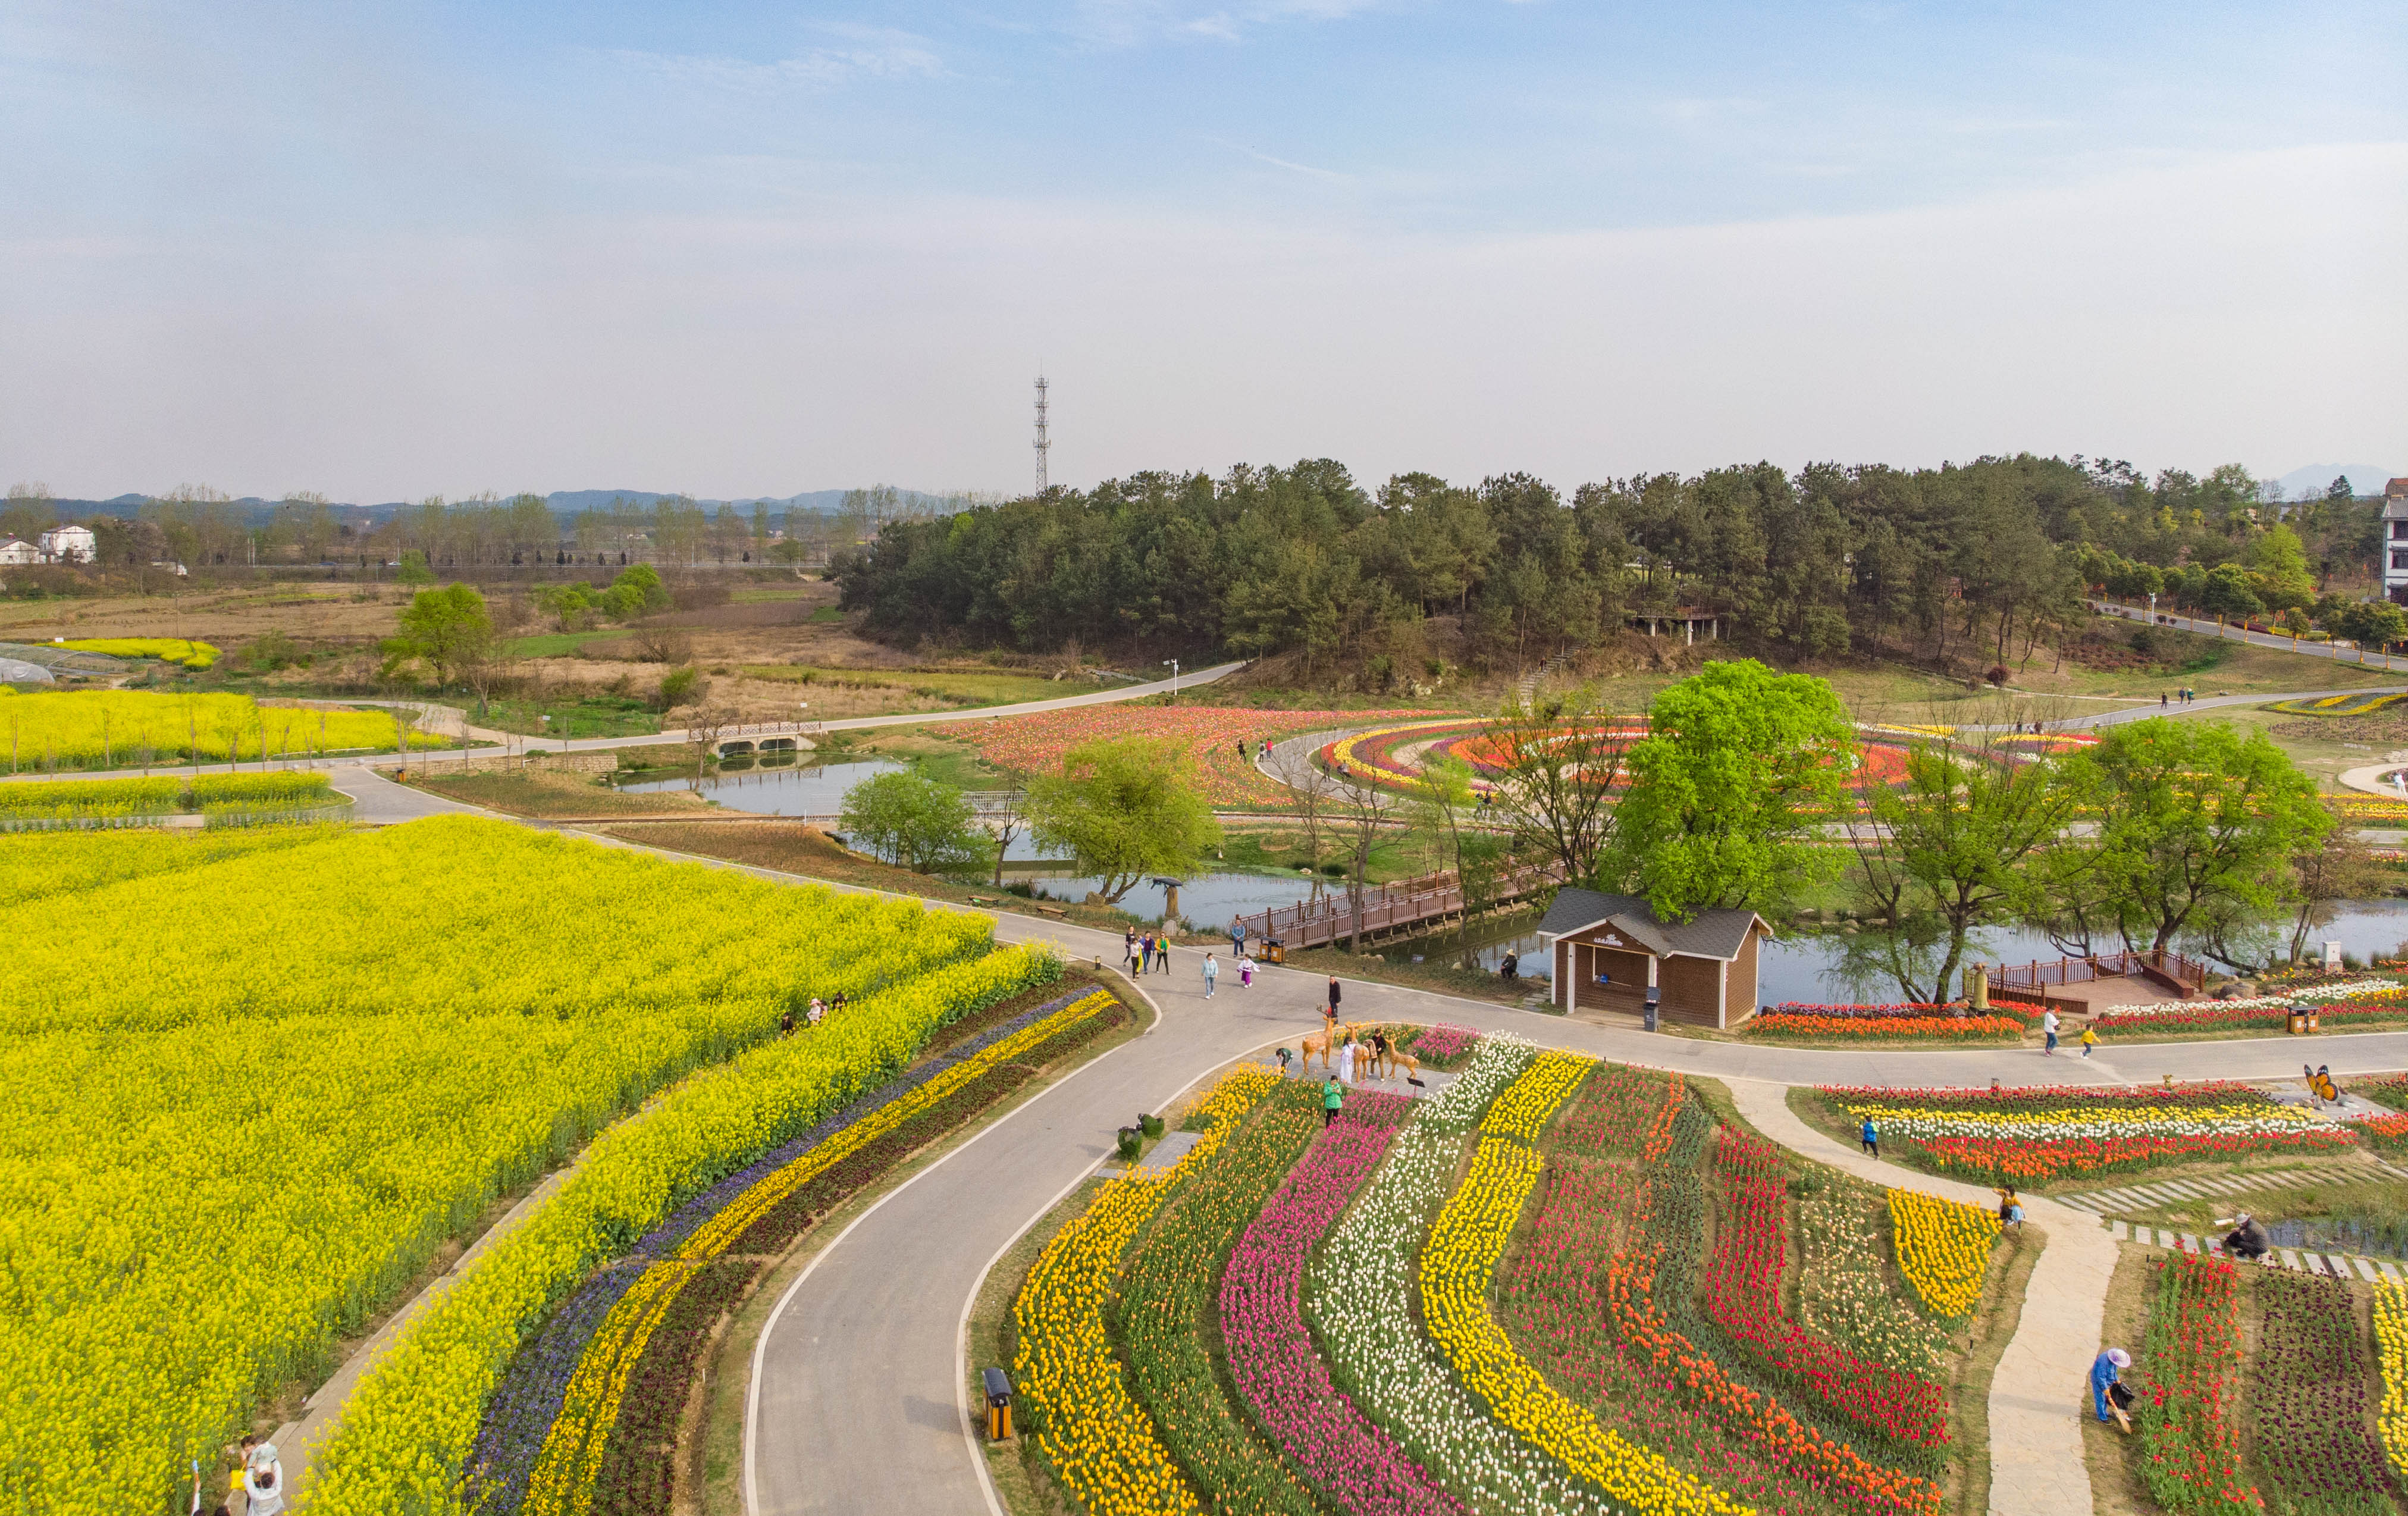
<point x="18" y="550"/>
<point x="69" y="545"/>
<point x="2395" y="542"/>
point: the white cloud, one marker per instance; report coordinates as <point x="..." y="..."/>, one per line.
<point x="874" y="52"/>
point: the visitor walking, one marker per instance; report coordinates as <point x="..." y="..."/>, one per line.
<point x="2162" y="700"/>
<point x="1869" y="1135"/>
<point x="1236" y="935"/>
<point x="1333" y="1095"/>
<point x="1145" y="953"/>
<point x="2048" y="1030"/>
<point x="2108" y="1396"/>
<point x="2089" y="1040"/>
<point x="1162" y="951"/>
<point x="1346" y="1063"/>
<point x="1128" y="953"/>
<point x="1211" y="976"/>
<point x="1245" y="972"/>
<point x="1333" y="997"/>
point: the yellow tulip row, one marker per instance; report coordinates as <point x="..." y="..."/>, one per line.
<point x="1522" y="1112"/>
<point x="1456" y="1268"/>
<point x="255" y="1088"/>
<point x="1942" y="1246"/>
<point x="1100" y="1443"/>
<point x="564" y="1477"/>
<point x="2391" y="1348"/>
<point x="2236" y="1119"/>
<point x="408" y="1426"/>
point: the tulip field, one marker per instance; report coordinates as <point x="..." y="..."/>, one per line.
<point x="2042" y="1133"/>
<point x="262" y="1076"/>
<point x="1548" y="1285"/>
<point x="1209" y="735"/>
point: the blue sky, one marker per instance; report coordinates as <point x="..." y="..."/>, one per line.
<point x="395" y="250"/>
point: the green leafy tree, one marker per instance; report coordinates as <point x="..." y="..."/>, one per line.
<point x="1738" y="769"/>
<point x="643" y="584"/>
<point x="1556" y="761"/>
<point x="2190" y="817"/>
<point x="1122" y="809"/>
<point x="2370" y="623"/>
<point x="413" y="569"/>
<point x="912" y="821"/>
<point x="447" y="629"/>
<point x="2229" y="591"/>
<point x="2281" y="579"/>
<point x="1951" y="845"/>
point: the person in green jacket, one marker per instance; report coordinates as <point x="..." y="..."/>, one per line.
<point x="1333" y="1095"/>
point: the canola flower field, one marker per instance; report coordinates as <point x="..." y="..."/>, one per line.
<point x="100" y="728"/>
<point x="264" y="1076"/>
<point x="1490" y="1299"/>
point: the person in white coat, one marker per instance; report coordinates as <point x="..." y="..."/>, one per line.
<point x="1211" y="976"/>
<point x="263" y="1482"/>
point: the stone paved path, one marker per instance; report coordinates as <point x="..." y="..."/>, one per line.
<point x="2040" y="1391"/>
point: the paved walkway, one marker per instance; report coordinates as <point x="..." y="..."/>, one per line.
<point x="865" y="1351"/>
<point x="2355" y="657"/>
<point x="2041" y="1390"/>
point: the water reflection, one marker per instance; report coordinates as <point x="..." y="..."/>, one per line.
<point x="771" y="789"/>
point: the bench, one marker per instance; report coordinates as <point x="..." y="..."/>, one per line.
<point x="1057" y="912"/>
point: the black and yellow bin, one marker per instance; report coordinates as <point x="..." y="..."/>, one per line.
<point x="1275" y="951"/>
<point x="2302" y="1020"/>
<point x="998" y="1405"/>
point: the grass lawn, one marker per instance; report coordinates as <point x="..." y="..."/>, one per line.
<point x="557" y="645"/>
<point x="595" y="715"/>
<point x="767" y="595"/>
<point x="542" y="793"/>
<point x="787" y="847"/>
<point x="960" y="687"/>
<point x="946" y="760"/>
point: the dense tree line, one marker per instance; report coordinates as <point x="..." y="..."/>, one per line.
<point x="1976" y="561"/>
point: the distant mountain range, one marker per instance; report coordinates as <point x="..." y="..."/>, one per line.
<point x="565" y="502"/>
<point x="2364" y="479"/>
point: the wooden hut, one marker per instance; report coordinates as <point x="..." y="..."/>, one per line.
<point x="1608" y="950"/>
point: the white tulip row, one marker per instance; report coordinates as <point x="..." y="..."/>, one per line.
<point x="1845" y="1296"/>
<point x="1360" y="1297"/>
<point x="2318" y="995"/>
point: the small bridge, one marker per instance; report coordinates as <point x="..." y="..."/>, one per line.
<point x="1406" y="904"/>
<point x="2044" y="984"/>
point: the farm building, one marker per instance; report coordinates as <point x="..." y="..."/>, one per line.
<point x="1608" y="950"/>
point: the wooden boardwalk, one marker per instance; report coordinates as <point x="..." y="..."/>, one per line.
<point x="2034" y="981"/>
<point x="1408" y="903"/>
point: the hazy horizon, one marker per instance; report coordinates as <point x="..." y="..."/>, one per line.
<point x="440" y="248"/>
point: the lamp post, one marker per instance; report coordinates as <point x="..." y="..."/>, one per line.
<point x="1173" y="665"/>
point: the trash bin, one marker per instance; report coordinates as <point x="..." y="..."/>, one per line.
<point x="998" y="1405"/>
<point x="1275" y="951"/>
<point x="1654" y="1006"/>
<point x="2299" y="1023"/>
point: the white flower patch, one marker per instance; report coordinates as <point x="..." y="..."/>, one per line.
<point x="2320" y="995"/>
<point x="1360" y="1297"/>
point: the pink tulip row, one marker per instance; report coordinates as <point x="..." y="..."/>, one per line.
<point x="1270" y="1354"/>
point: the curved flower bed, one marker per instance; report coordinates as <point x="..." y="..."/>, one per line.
<point x="1356" y="1466"/>
<point x="1210" y="735"/>
<point x="1098" y="1440"/>
<point x="1455" y="1271"/>
<point x="1942" y="1248"/>
<point x="1359" y="1296"/>
<point x="1742" y="1296"/>
<point x="1392" y="757"/>
<point x="1169" y="1293"/>
<point x="551" y="1426"/>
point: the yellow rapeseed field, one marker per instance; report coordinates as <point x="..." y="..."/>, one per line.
<point x="92" y="729"/>
<point x="254" y="1086"/>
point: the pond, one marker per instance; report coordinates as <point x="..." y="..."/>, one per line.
<point x="1816" y="967"/>
<point x="774" y="789"/>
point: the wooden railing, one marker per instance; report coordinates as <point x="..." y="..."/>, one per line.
<point x="2185" y="977"/>
<point x="1392" y="907"/>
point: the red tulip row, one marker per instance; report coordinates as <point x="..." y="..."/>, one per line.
<point x="1938" y="1028"/>
<point x="1586" y="1318"/>
<point x="2190" y="1440"/>
<point x="2213" y="1017"/>
<point x="1742" y="1296"/>
<point x="2040" y="1161"/>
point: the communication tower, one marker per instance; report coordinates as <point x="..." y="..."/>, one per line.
<point x="1042" y="441"/>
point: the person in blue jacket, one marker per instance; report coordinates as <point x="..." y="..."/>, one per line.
<point x="2104" y="1372"/>
<point x="1869" y="1135"/>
